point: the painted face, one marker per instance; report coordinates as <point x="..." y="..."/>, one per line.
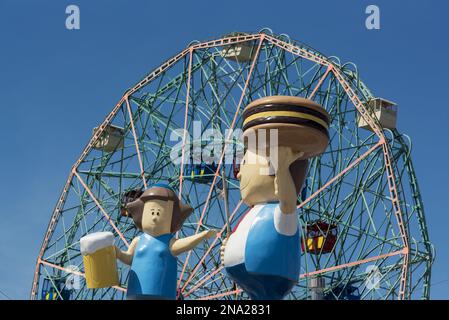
<point x="157" y="216"/>
<point x="256" y="179"/>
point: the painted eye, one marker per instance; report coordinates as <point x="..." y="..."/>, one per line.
<point x="158" y="213"/>
<point x="152" y="213"/>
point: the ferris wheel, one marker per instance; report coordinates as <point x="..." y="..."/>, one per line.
<point x="364" y="233"/>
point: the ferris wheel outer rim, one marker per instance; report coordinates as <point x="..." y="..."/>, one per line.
<point x="296" y="50"/>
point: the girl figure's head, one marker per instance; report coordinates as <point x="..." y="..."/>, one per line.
<point x="158" y="211"/>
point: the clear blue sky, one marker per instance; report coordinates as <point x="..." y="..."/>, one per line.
<point x="55" y="85"/>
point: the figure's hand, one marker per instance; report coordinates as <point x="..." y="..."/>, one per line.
<point x="285" y="158"/>
<point x="222" y="251"/>
<point x="284" y="186"/>
<point x="120" y="255"/>
<point x="183" y="245"/>
<point x="207" y="234"/>
<point x="118" y="252"/>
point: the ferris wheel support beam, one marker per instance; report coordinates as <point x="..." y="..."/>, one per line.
<point x="352" y="264"/>
<point x="139" y="158"/>
<point x="329" y="69"/>
<point x="189" y="77"/>
<point x="261" y="38"/>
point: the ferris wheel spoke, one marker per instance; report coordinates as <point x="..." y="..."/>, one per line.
<point x="351" y="264"/>
<point x="181" y="173"/>
<point x="318" y="85"/>
<point x="135" y="141"/>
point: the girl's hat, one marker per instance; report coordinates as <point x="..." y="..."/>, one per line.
<point x="159" y="191"/>
<point x="163" y="192"/>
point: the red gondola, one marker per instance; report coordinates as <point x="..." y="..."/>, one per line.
<point x="320" y="237"/>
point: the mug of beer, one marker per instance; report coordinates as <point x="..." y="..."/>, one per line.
<point x="100" y="264"/>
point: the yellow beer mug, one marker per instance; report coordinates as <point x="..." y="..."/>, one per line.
<point x="100" y="264"/>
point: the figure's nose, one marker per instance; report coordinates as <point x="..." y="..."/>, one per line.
<point x="239" y="176"/>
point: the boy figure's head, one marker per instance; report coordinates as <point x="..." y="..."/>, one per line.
<point x="257" y="174"/>
<point x="158" y="211"/>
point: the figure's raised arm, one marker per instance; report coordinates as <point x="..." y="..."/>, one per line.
<point x="179" y="246"/>
<point x="284" y="185"/>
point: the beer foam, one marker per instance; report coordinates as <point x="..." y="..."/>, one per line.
<point x="96" y="241"/>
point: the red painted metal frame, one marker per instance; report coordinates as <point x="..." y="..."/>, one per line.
<point x="189" y="77"/>
<point x="329" y="69"/>
<point x="296" y="50"/>
<point x="139" y="158"/>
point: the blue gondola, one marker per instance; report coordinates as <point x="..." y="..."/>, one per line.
<point x="202" y="173"/>
<point x="344" y="292"/>
<point x="49" y="292"/>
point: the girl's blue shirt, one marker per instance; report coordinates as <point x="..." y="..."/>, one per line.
<point x="154" y="268"/>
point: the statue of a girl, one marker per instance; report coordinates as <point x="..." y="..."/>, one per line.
<point x="159" y="214"/>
